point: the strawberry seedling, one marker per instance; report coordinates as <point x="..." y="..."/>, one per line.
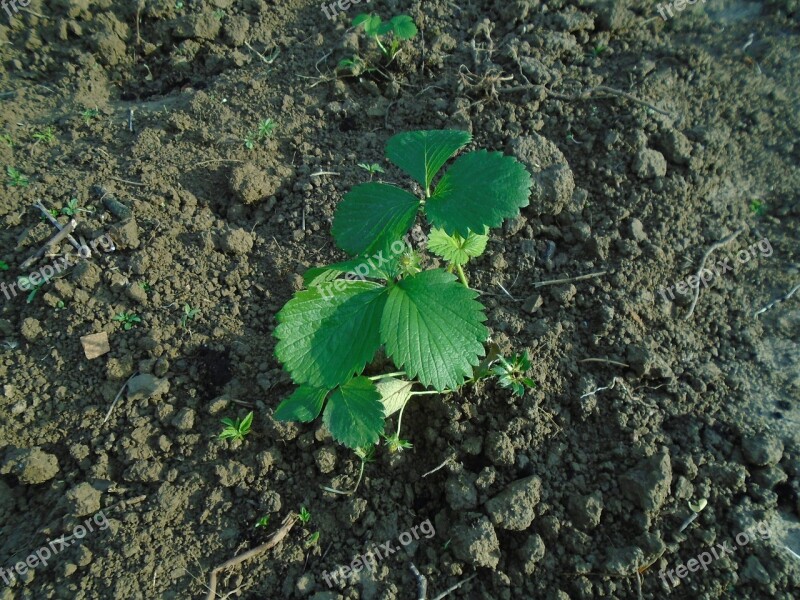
<point x="15" y="178"/>
<point x="372" y="169"/>
<point x="400" y="28"/>
<point x="236" y="429"/>
<point x="429" y="325"/>
<point x="70" y="209"/>
<point x="128" y="320"/>
<point x="188" y="313"/>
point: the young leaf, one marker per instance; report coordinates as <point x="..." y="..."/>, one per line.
<point x="354" y="414"/>
<point x="303" y="405"/>
<point x="371" y="216"/>
<point x="433" y="328"/>
<point x="454" y="248"/>
<point x="371" y="23"/>
<point x="421" y="154"/>
<point x="481" y="189"/>
<point x="403" y="27"/>
<point x="394" y="394"/>
<point x="325" y="340"/>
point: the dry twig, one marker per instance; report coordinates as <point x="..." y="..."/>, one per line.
<point x="539" y="284"/>
<point x="719" y="244"/>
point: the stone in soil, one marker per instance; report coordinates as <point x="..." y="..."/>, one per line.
<point x="647" y="484"/>
<point x="475" y="541"/>
<point x="31" y="465"/>
<point x="515" y="507"/>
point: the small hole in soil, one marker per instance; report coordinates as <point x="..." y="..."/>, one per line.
<point x="214" y="368"/>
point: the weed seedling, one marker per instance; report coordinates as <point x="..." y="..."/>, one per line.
<point x="179" y="5"/>
<point x="354" y="66"/>
<point x="34" y="288"/>
<point x="89" y="114"/>
<point x="371" y="168"/>
<point x="757" y="207"/>
<point x="512" y="373"/>
<point x="46" y="135"/>
<point x="236" y="429"/>
<point x="15" y="178"/>
<point x="145" y="285"/>
<point x="400" y="28"/>
<point x="262" y="522"/>
<point x="598" y="50"/>
<point x="6" y="139"/>
<point x="312" y="539"/>
<point x="428" y="324"/>
<point x="4" y="266"/>
<point x="188" y="313"/>
<point x="70" y="209"/>
<point x="219" y="14"/>
<point x="128" y="320"/>
<point x="304" y="516"/>
<point x="265" y="129"/>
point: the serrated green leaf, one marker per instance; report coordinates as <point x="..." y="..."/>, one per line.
<point x="371" y="22"/>
<point x="394" y="394"/>
<point x="303" y="405"/>
<point x="454" y="248"/>
<point x="384" y="28"/>
<point x="480" y="190"/>
<point x="354" y="414"/>
<point x="327" y="336"/>
<point x="433" y="328"/>
<point x="404" y="27"/>
<point x="359" y="267"/>
<point x="421" y="154"/>
<point x="371" y="216"/>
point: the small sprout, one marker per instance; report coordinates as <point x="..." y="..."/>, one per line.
<point x="219" y="14"/>
<point x="236" y="429"/>
<point x="179" y="5"/>
<point x="446" y="544"/>
<point x="89" y="114"/>
<point x="47" y="135"/>
<point x="304" y="515"/>
<point x="395" y="444"/>
<point x="128" y="320"/>
<point x="312" y="539"/>
<point x="757" y="207"/>
<point x="34" y="288"/>
<point x="71" y="209"/>
<point x="188" y="313"/>
<point x="145" y="285"/>
<point x="59" y="306"/>
<point x="15" y="178"/>
<point x="409" y="263"/>
<point x="598" y="50"/>
<point x="4" y="266"/>
<point x="511" y="373"/>
<point x="262" y="522"/>
<point x="699" y="505"/>
<point x="401" y="27"/>
<point x="371" y="168"/>
<point x="265" y="129"/>
<point x="6" y="139"/>
<point x="354" y="65"/>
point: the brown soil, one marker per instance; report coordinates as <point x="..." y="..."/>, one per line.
<point x="565" y="493"/>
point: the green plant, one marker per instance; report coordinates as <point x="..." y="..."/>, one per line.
<point x="757" y="207"/>
<point x="355" y="65"/>
<point x="312" y="539"/>
<point x="70" y="209"/>
<point x="46" y="135"/>
<point x="179" y="4"/>
<point x="188" y="313"/>
<point x="598" y="50"/>
<point x="26" y="283"/>
<point x="430" y="325"/>
<point x="145" y="285"/>
<point x="262" y="522"/>
<point x="4" y="266"/>
<point x="304" y="516"/>
<point x="265" y="129"/>
<point x="236" y="429"/>
<point x="401" y="28"/>
<point x="89" y="114"/>
<point x="372" y="168"/>
<point x="15" y="178"/>
<point x="128" y="320"/>
<point x="512" y="373"/>
<point x="219" y="14"/>
<point x="6" y="139"/>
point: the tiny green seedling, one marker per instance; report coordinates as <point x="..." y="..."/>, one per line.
<point x="34" y="289"/>
<point x="372" y="169"/>
<point x="188" y="313"/>
<point x="265" y="129"/>
<point x="355" y="66"/>
<point x="179" y="5"/>
<point x="598" y="50"/>
<point x="145" y="285"/>
<point x="59" y="306"/>
<point x="46" y="135"/>
<point x="512" y="373"/>
<point x="236" y="429"/>
<point x="4" y="266"/>
<point x="400" y="28"/>
<point x="312" y="539"/>
<point x="6" y="139"/>
<point x="304" y="516"/>
<point x="70" y="209"/>
<point x="128" y="320"/>
<point x="219" y="14"/>
<point x="262" y="522"/>
<point x="15" y="178"/>
<point x="89" y="114"/>
<point x="757" y="207"/>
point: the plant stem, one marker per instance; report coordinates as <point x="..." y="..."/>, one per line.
<point x="400" y="419"/>
<point x="461" y="276"/>
<point x="395" y="374"/>
<point x="431" y="392"/>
